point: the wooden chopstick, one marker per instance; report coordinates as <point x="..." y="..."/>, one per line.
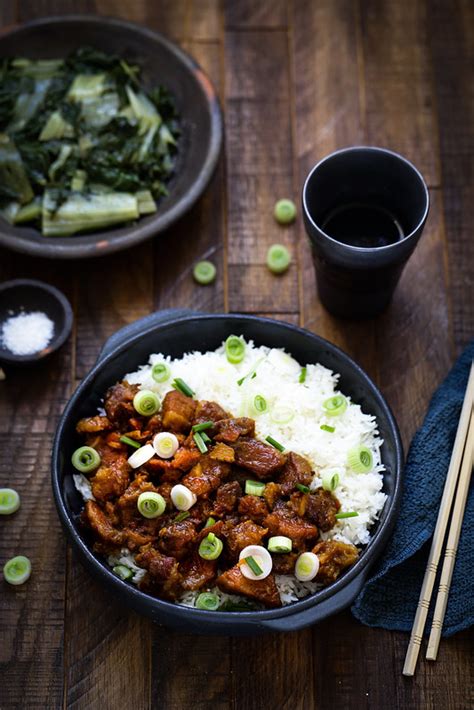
<point x="452" y="544"/>
<point x="440" y="530"/>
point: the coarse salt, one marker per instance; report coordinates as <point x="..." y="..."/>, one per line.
<point x="27" y="333"/>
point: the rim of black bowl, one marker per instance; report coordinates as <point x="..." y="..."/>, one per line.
<point x="131" y="594"/>
<point x="58" y="340"/>
<point x="375" y="149"/>
<point x="104" y="244"/>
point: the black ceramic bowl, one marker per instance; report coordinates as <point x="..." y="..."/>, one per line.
<point x="27" y="295"/>
<point x="162" y="62"/>
<point x="175" y="333"/>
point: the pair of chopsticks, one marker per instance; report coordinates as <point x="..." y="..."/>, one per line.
<point x="456" y="488"/>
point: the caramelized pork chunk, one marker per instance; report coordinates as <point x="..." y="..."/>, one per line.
<point x="163" y="578"/>
<point x="111" y="478"/>
<point x="206" y="476"/>
<point x="282" y="521"/>
<point x="208" y="412"/>
<point x="243" y="534"/>
<point x="92" y="425"/>
<point x="253" y="507"/>
<point x="263" y="590"/>
<point x="197" y="573"/>
<point x="229" y="430"/>
<point x="94" y="517"/>
<point x="118" y="403"/>
<point x="227" y="496"/>
<point x="177" y="539"/>
<point x="263" y="460"/>
<point x="334" y="557"/>
<point x="321" y="509"/>
<point x="296" y="470"/>
<point x="177" y="411"/>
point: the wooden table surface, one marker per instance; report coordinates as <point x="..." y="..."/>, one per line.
<point x="296" y="81"/>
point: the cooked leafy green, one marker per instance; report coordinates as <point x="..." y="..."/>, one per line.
<point x="83" y="144"/>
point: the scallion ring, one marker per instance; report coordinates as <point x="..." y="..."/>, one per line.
<point x="210" y="547"/>
<point x="260" y="403"/>
<point x="160" y="372"/>
<point x="17" y="570"/>
<point x="150" y="504"/>
<point x="165" y="444"/>
<point x="278" y="258"/>
<point x="85" y="459"/>
<point x="182" y="497"/>
<point x="360" y="459"/>
<point x="234" y="349"/>
<point x="260" y="564"/>
<point x="285" y="211"/>
<point x="280" y="543"/>
<point x="146" y="403"/>
<point x="9" y="501"/>
<point x="330" y="480"/>
<point x="335" y="406"/>
<point x="123" y="572"/>
<point x="141" y="456"/>
<point x="254" y="488"/>
<point x="282" y="415"/>
<point x="204" y="272"/>
<point x="207" y="601"/>
<point x="210" y="522"/>
<point x="307" y="567"/>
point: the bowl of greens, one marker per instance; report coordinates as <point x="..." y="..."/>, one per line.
<point x="109" y="133"/>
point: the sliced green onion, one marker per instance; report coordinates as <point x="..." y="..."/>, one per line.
<point x="260" y="403"/>
<point x="280" y="543"/>
<point x="204" y="272"/>
<point x="181" y="385"/>
<point x="200" y="442"/>
<point x="330" y="480"/>
<point x="254" y="566"/>
<point x="203" y="426"/>
<point x="160" y="372"/>
<point x="274" y="443"/>
<point x="326" y="427"/>
<point x="301" y="487"/>
<point x="146" y="403"/>
<point x="130" y="442"/>
<point x="334" y="406"/>
<point x="251" y="373"/>
<point x="282" y="415"/>
<point x="17" y="570"/>
<point x="207" y="439"/>
<point x="165" y="444"/>
<point x="141" y="456"/>
<point x="9" y="501"/>
<point x="278" y="258"/>
<point x="302" y="377"/>
<point x="182" y="497"/>
<point x="85" y="459"/>
<point x="360" y="459"/>
<point x="123" y="572"/>
<point x="285" y="211"/>
<point x="307" y="567"/>
<point x="349" y="514"/>
<point x="210" y="522"/>
<point x="254" y="488"/>
<point x="234" y="349"/>
<point x="210" y="547"/>
<point x="207" y="601"/>
<point x="181" y="516"/>
<point x="151" y="504"/>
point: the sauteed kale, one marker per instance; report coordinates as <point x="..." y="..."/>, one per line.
<point x="83" y="145"/>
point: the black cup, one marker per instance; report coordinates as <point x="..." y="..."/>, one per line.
<point x="355" y="281"/>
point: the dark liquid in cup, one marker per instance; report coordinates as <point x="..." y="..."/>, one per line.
<point x="362" y="225"/>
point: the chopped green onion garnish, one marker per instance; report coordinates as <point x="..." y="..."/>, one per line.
<point x="204" y="272"/>
<point x="280" y="543"/>
<point x="165" y="444"/>
<point x="203" y="426"/>
<point x="200" y="443"/>
<point x="146" y="403"/>
<point x="181" y="516"/>
<point x="130" y="442"/>
<point x="302" y="377"/>
<point x="350" y="514"/>
<point x="181" y="385"/>
<point x="207" y="439"/>
<point x="274" y="443"/>
<point x="207" y="601"/>
<point x="251" y="373"/>
<point x="254" y="488"/>
<point x="301" y="487"/>
<point x="123" y="572"/>
<point x="330" y="481"/>
<point x="334" y="406"/>
<point x="254" y="566"/>
<point x="285" y="211"/>
<point x="260" y="403"/>
<point x="210" y="547"/>
<point x="282" y="415"/>
<point x="160" y="372"/>
<point x="307" y="566"/>
<point x="326" y="427"/>
<point x="9" y="501"/>
<point x="85" y="459"/>
<point x="234" y="349"/>
<point x="210" y="522"/>
<point x="360" y="459"/>
<point x="151" y="504"/>
<point x="278" y="258"/>
<point x="17" y="570"/>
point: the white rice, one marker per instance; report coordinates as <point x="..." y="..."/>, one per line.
<point x="212" y="377"/>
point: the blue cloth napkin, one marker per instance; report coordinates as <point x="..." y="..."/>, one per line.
<point x="390" y="596"/>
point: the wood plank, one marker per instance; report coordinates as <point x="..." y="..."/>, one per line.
<point x="452" y="32"/>
<point x="34" y="9"/>
<point x="205" y="23"/>
<point x="398" y="81"/>
<point x="248" y="14"/>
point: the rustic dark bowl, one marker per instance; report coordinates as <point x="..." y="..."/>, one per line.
<point x="30" y="295"/>
<point x="176" y="333"/>
<point x="162" y="62"/>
